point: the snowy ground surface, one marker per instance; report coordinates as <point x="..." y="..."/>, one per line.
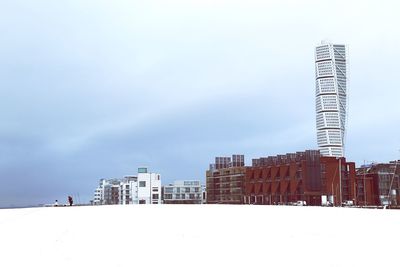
<point x="199" y="235"/>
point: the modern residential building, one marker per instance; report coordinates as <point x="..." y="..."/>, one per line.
<point x="144" y="188"/>
<point x="98" y="196"/>
<point x="224" y="180"/>
<point x="107" y="193"/>
<point x="129" y="190"/>
<point x="149" y="187"/>
<point x="183" y="192"/>
<point x="331" y="98"/>
<point x="302" y="176"/>
<point x="383" y="183"/>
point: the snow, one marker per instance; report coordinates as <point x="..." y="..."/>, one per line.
<point x="198" y="235"/>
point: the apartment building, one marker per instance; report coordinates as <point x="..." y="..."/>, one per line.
<point x="143" y="188"/>
<point x="107" y="193"/>
<point x="383" y="183"/>
<point x="183" y="192"/>
<point x="301" y="176"/>
<point x="225" y="180"/>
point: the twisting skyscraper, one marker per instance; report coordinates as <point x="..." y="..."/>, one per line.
<point x="331" y="98"/>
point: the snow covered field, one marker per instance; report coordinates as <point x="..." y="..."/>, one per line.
<point x="198" y="235"/>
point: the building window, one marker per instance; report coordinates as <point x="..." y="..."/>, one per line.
<point x="142" y="183"/>
<point x="142" y="170"/>
<point x="155" y="189"/>
<point x="168" y="190"/>
<point x="155" y="196"/>
<point x="142" y="201"/>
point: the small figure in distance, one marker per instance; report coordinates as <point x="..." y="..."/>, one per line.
<point x="70" y="201"/>
<point x="56" y="203"/>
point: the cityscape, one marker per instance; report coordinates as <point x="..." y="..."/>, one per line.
<point x="199" y="133"/>
<point x="312" y="177"/>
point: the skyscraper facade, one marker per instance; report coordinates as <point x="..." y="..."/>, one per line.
<point x="331" y="98"/>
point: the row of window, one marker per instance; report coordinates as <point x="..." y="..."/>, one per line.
<point x="324" y="70"/>
<point x="181" y="189"/>
<point x="182" y="196"/>
<point x="327" y="120"/>
<point x="322" y="52"/>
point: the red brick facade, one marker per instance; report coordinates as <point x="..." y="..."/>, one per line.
<point x="302" y="176"/>
<point x="382" y="184"/>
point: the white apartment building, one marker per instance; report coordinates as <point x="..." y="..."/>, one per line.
<point x="107" y="192"/>
<point x="129" y="190"/>
<point x="149" y="187"/>
<point x="144" y="188"/>
<point x="98" y="196"/>
<point x="331" y="98"/>
<point x="183" y="192"/>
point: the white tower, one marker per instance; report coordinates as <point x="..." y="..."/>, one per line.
<point x="331" y="98"/>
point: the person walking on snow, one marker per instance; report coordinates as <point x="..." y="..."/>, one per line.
<point x="70" y="201"/>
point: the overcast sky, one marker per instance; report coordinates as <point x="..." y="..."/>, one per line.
<point x="96" y="89"/>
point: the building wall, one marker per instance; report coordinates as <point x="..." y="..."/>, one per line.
<point x="302" y="176"/>
<point x="339" y="179"/>
<point x="98" y="196"/>
<point x="129" y="190"/>
<point x="149" y="188"/>
<point x="383" y="183"/>
<point x="225" y="180"/>
<point x="365" y="191"/>
<point x="183" y="192"/>
<point x="109" y="191"/>
<point x="225" y="186"/>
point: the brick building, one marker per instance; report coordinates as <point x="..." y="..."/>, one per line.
<point x="302" y="176"/>
<point x="224" y="180"/>
<point x="383" y="184"/>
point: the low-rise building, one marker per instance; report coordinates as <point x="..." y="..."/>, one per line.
<point x="225" y="180"/>
<point x="144" y="188"/>
<point x="149" y="187"/>
<point x="383" y="183"/>
<point x="129" y="190"/>
<point x="183" y="192"/>
<point x="302" y="177"/>
<point x="98" y="196"/>
<point x="109" y="191"/>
